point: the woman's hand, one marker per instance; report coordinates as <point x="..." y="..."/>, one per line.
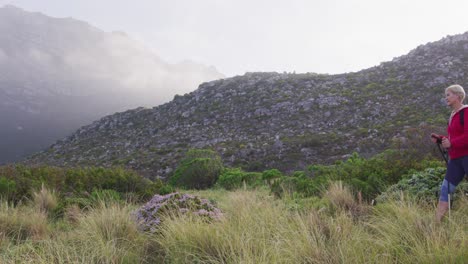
<point x="446" y="143"/>
<point x="434" y="138"/>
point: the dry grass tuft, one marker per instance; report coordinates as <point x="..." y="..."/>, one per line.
<point x="343" y="200"/>
<point x="73" y="214"/>
<point x="45" y="200"/>
<point x="21" y="223"/>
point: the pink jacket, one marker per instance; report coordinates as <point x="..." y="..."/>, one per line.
<point x="458" y="135"/>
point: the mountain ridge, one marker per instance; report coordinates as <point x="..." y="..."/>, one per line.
<point x="271" y="120"/>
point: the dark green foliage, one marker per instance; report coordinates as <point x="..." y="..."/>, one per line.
<point x="7" y="188"/>
<point x="369" y="176"/>
<point x="234" y="178"/>
<point x="199" y="169"/>
<point x="231" y="179"/>
<point x="166" y="189"/>
<point x="253" y="179"/>
<point x="18" y="182"/>
<point x="299" y="184"/>
<point x="153" y="187"/>
<point x="86" y="200"/>
<point x="423" y="185"/>
<point x="269" y="175"/>
<point x="372" y="176"/>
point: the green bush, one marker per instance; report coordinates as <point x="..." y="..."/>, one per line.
<point x="199" y="169"/>
<point x="153" y="187"/>
<point x="253" y="179"/>
<point x="166" y="189"/>
<point x="269" y="175"/>
<point x="233" y="178"/>
<point x="19" y="182"/>
<point x="369" y="176"/>
<point x="422" y="185"/>
<point x="85" y="200"/>
<point x="7" y="188"/>
<point x="299" y="185"/>
<point x="373" y="175"/>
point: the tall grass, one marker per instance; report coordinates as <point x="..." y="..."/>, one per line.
<point x="105" y="234"/>
<point x="259" y="229"/>
<point x="18" y="224"/>
<point x="408" y="232"/>
<point x="256" y="228"/>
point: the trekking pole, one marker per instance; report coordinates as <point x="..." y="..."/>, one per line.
<point x="445" y="156"/>
<point x="442" y="152"/>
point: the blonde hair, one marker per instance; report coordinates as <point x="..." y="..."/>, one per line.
<point x="458" y="90"/>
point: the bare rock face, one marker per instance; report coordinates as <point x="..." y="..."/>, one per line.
<point x="271" y="120"/>
<point x="58" y="74"/>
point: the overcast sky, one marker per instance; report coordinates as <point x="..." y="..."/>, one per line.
<point x="236" y="36"/>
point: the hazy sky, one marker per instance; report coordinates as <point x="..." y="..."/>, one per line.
<point x="235" y="36"/>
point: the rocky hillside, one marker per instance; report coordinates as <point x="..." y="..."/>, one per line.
<point x="286" y="121"/>
<point x="58" y="74"/>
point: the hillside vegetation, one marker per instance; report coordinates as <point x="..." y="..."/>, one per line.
<point x="321" y="215"/>
<point x="285" y="121"/>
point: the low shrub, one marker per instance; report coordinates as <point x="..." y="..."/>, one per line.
<point x="233" y="178"/>
<point x="198" y="170"/>
<point x="272" y="174"/>
<point x="165" y="189"/>
<point x="7" y="188"/>
<point x="299" y="184"/>
<point x="371" y="176"/>
<point x="421" y="185"/>
<point x="253" y="179"/>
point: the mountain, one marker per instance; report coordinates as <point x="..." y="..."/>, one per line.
<point x="58" y="74"/>
<point x="286" y="121"/>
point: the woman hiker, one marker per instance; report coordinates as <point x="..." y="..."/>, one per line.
<point x="456" y="143"/>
